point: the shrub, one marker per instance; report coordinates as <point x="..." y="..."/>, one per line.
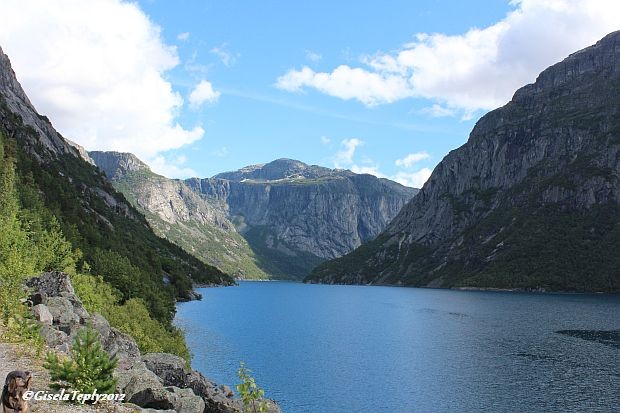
<point x="250" y="393"/>
<point x="88" y="370"/>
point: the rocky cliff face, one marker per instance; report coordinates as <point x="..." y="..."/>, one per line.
<point x="198" y="224"/>
<point x="319" y="210"/>
<point x="17" y="102"/>
<point x="531" y="200"/>
<point x="278" y="219"/>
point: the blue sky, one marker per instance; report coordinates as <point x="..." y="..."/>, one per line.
<point x="254" y="122"/>
<point x="195" y="88"/>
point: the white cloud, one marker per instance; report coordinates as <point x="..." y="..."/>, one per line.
<point x="97" y="69"/>
<point x="227" y="57"/>
<point x="412" y="158"/>
<point x="203" y="93"/>
<point x="479" y="69"/>
<point x="325" y="140"/>
<point x="183" y="36"/>
<point x="171" y="168"/>
<point x="344" y="157"/>
<point x="313" y="56"/>
<point x="439" y="111"/>
<point x="413" y="179"/>
<point x="348" y="83"/>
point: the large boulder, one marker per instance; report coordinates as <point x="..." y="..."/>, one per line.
<point x="51" y="283"/>
<point x="42" y="313"/>
<point x="187" y="401"/>
<point x="65" y="319"/>
<point x="144" y="388"/>
<point x="172" y="370"/>
<point x="54" y="338"/>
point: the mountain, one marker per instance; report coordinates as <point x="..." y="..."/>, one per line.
<point x="56" y="180"/>
<point x="197" y="224"/>
<point x="272" y="220"/>
<point x="531" y="200"/>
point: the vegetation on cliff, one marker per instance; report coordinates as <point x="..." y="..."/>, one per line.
<point x="32" y="241"/>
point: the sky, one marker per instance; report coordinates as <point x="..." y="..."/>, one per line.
<point x="195" y="88"/>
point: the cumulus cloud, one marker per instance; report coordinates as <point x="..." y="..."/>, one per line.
<point x="97" y="68"/>
<point x="479" y="69"/>
<point x="413" y="179"/>
<point x="411" y="159"/>
<point x="325" y="140"/>
<point x="171" y="167"/>
<point x="183" y="36"/>
<point x="345" y="159"/>
<point x="346" y="83"/>
<point x="203" y="93"/>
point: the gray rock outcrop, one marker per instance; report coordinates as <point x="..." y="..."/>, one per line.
<point x="155" y="381"/>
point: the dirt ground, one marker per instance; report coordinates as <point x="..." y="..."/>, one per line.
<point x="16" y="357"/>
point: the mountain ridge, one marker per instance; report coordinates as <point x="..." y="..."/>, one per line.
<point x="494" y="212"/>
<point x="270" y="220"/>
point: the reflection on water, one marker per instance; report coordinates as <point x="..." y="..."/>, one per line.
<point x="609" y="338"/>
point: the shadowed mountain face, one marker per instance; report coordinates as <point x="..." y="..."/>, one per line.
<point x="275" y="220"/>
<point x="531" y="200"/>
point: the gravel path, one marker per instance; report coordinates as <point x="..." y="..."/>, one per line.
<point x="14" y="357"/>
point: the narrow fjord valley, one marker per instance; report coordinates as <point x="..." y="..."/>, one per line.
<point x="530" y="201"/>
<point x="277" y="220"/>
<point x="109" y="266"/>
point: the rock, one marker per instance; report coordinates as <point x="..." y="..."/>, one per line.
<point x="43" y="314"/>
<point x="168" y="367"/>
<point x="51" y="283"/>
<point x="172" y="371"/>
<point x="141" y="386"/>
<point x="53" y="337"/>
<point x="190" y="296"/>
<point x="544" y="162"/>
<point x="295" y="211"/>
<point x="226" y="390"/>
<point x="62" y="312"/>
<point x="38" y="298"/>
<point x="187" y="401"/>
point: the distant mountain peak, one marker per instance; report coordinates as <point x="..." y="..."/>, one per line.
<point x="282" y="168"/>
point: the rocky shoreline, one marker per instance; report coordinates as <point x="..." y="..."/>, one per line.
<point x="154" y="381"/>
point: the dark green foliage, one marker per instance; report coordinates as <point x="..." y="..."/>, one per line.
<point x="113" y="239"/>
<point x="280" y="260"/>
<point x="90" y="369"/>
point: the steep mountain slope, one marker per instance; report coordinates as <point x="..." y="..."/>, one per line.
<point x="279" y="219"/>
<point x="531" y="200"/>
<point x="114" y="238"/>
<point x="197" y="224"/>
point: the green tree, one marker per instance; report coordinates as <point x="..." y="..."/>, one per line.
<point x="251" y="394"/>
<point x="88" y="370"/>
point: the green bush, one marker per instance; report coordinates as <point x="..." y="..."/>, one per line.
<point x="90" y="369"/>
<point x="250" y="393"/>
<point x="132" y="317"/>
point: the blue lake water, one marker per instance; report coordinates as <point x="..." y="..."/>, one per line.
<point x="340" y="349"/>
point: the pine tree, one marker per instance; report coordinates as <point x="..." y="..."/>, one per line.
<point x="88" y="370"/>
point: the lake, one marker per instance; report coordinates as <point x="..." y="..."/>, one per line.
<point x="340" y="349"/>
